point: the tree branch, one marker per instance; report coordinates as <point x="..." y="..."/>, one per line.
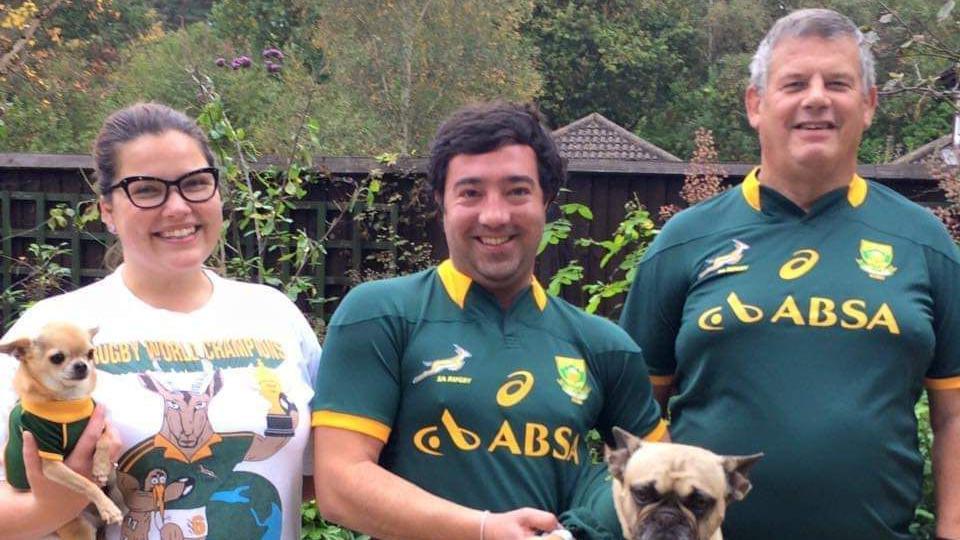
<point x="28" y="31"/>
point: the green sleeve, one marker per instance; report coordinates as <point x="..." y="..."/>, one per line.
<point x="49" y="435"/>
<point x="945" y="285"/>
<point x="654" y="308"/>
<point x="628" y="400"/>
<point x="358" y="375"/>
<point x="591" y="515"/>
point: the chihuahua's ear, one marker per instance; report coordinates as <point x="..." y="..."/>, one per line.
<point x="93" y="332"/>
<point x="17" y="348"/>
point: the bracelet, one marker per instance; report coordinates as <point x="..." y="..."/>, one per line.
<point x="483" y="522"/>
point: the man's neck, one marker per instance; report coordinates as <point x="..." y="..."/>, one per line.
<point x="804" y="186"/>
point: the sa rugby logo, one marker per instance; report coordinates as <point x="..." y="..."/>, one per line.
<point x="573" y="378"/>
<point x="876" y="259"/>
<point x="727" y="263"/>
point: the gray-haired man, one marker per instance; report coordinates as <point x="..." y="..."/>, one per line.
<point x="815" y="342"/>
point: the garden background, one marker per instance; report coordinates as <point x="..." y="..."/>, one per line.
<point x="282" y="85"/>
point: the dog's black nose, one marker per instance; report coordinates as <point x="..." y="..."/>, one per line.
<point x="79" y="370"/>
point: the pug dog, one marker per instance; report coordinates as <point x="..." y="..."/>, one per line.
<point x="665" y="491"/>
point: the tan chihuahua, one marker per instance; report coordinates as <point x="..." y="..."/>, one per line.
<point x="54" y="381"/>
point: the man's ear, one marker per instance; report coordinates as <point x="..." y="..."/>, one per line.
<point x="871" y="107"/>
<point x="751" y="101"/>
<point x="737" y="468"/>
<point x="17" y="348"/>
<point x="438" y="199"/>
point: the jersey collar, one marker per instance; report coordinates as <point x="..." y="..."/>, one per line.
<point x="856" y="192"/>
<point x="457" y="284"/>
<point x="174" y="452"/>
<point x="63" y="412"/>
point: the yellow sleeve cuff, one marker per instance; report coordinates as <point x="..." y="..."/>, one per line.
<point x="657" y="433"/>
<point x="947" y="383"/>
<point x="360" y="424"/>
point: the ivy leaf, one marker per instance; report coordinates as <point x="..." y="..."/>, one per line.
<point x="945" y="11"/>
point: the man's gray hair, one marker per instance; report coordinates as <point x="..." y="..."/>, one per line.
<point x="822" y="23"/>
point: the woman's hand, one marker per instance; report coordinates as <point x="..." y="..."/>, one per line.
<point x="59" y="501"/>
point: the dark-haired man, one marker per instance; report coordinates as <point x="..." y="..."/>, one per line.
<point x="801" y="313"/>
<point x="455" y="402"/>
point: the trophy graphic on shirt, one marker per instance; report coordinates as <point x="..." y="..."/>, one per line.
<point x="279" y="420"/>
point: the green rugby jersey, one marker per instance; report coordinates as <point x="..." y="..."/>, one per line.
<point x="480" y="406"/>
<point x="807" y="336"/>
<point x="56" y="426"/>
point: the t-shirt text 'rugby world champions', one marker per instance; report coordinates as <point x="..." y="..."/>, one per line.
<point x="147" y="355"/>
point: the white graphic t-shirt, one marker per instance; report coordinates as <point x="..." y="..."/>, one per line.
<point x="212" y="406"/>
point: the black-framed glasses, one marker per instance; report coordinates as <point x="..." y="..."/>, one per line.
<point x="150" y="192"/>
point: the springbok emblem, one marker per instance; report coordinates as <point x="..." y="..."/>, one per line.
<point x="453" y="363"/>
<point x="727" y="259"/>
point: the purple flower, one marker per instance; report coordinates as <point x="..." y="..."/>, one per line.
<point x="241" y="62"/>
<point x="273" y="53"/>
<point x="221" y="62"/>
<point x="273" y="68"/>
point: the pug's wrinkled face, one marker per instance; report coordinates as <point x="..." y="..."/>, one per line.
<point x="665" y="491"/>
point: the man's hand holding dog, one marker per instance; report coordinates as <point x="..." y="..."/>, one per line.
<point x="523" y="523"/>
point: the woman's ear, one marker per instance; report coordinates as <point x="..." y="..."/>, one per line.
<point x="106" y="215"/>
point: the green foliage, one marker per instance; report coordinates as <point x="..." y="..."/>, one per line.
<point x="615" y="57"/>
<point x="41" y="274"/>
<point x="924" y="521"/>
<point x="314" y="527"/>
<point x="625" y="248"/>
<point x="409" y="63"/>
<point x="258" y="24"/>
<point x="263" y="104"/>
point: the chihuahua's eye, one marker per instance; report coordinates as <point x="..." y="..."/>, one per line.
<point x="200" y="405"/>
<point x="161" y="478"/>
<point x="172" y="405"/>
<point x="154" y="480"/>
<point x="699" y="503"/>
<point x="57" y="358"/>
<point x="90" y="355"/>
<point x="645" y="495"/>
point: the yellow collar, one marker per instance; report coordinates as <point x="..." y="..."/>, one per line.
<point x="63" y="412"/>
<point x="457" y="284"/>
<point x="172" y="451"/>
<point x="856" y="193"/>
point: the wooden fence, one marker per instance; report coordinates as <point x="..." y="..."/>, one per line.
<point x="32" y="184"/>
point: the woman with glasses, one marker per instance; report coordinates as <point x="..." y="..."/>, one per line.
<point x="205" y="381"/>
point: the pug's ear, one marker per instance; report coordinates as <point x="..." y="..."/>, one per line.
<point x="617" y="458"/>
<point x="18" y="348"/>
<point x="625" y="439"/>
<point x="93" y="332"/>
<point x="737" y="468"/>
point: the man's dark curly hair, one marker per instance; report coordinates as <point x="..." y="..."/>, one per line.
<point x="482" y="128"/>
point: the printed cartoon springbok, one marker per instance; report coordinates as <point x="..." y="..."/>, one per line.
<point x="727" y="259"/>
<point x="188" y="437"/>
